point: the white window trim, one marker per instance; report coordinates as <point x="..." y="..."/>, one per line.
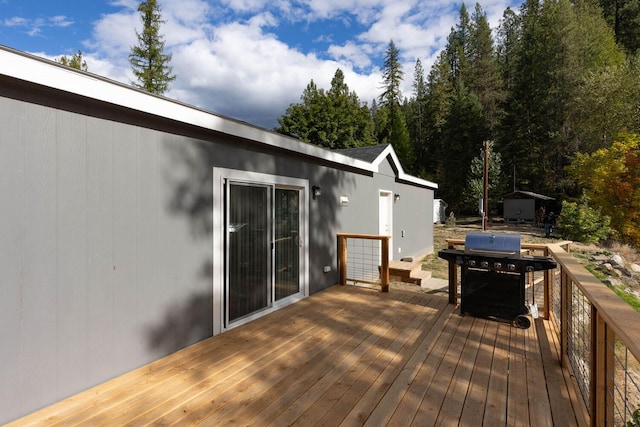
<point x="220" y="175"/>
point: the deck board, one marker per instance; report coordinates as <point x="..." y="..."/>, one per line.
<point x="345" y="356"/>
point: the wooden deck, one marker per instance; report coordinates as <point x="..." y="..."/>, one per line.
<point x="345" y="356"/>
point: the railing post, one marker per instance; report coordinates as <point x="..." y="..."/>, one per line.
<point x="384" y="274"/>
<point x="453" y="283"/>
<point x="596" y="392"/>
<point x="342" y="254"/>
<point x="548" y="279"/>
<point x="565" y="306"/>
<point x="453" y="279"/>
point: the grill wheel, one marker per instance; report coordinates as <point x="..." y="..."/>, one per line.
<point x="522" y="321"/>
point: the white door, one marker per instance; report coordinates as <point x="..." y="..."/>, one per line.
<point x="385" y="216"/>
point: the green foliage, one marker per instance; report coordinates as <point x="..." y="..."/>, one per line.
<point x="463" y="136"/>
<point x="635" y="419"/>
<point x="581" y="222"/>
<point x="474" y="190"/>
<point x="391" y="126"/>
<point x="148" y="60"/>
<point x="623" y="16"/>
<point x="392" y="76"/>
<point x="333" y="119"/>
<point x="560" y="43"/>
<point x="76" y="61"/>
<point x="611" y="178"/>
<point x="609" y="102"/>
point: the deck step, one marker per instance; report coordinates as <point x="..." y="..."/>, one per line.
<point x="408" y="272"/>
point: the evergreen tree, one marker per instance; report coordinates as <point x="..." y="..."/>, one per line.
<point x="561" y="43"/>
<point x="148" y="61"/>
<point x="463" y="134"/>
<point x="333" y="119"/>
<point x="416" y="123"/>
<point x="484" y="77"/>
<point x="392" y="76"/>
<point x="76" y="61"/>
<point x="508" y="38"/>
<point x="458" y="46"/>
<point x="623" y="16"/>
<point x="395" y="132"/>
<point x="474" y="190"/>
<point x="437" y="108"/>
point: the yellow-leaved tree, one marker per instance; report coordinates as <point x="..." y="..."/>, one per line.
<point x="611" y="179"/>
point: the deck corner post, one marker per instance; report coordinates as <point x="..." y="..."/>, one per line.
<point x="384" y="274"/>
<point x="342" y="258"/>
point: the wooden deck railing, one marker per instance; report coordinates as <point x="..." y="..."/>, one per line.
<point x="372" y="260"/>
<point x="599" y="336"/>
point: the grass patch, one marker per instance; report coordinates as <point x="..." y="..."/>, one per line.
<point x="630" y="299"/>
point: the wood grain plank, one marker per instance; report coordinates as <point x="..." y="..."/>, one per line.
<point x="219" y="388"/>
<point x="223" y="350"/>
<point x="429" y="408"/>
<point x="393" y="332"/>
<point x="349" y="374"/>
<point x="517" y="397"/>
<point x="496" y="407"/>
<point x="539" y="405"/>
<point x="474" y="404"/>
<point x="559" y="397"/>
<point x="434" y="355"/>
<point x="451" y="410"/>
<point x="344" y="356"/>
<point x="393" y="399"/>
<point x="356" y="383"/>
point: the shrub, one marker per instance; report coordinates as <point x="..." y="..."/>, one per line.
<point x="581" y="222"/>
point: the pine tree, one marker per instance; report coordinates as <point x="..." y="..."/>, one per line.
<point x="483" y="75"/>
<point x="623" y="16"/>
<point x="392" y="76"/>
<point x="395" y="132"/>
<point x="76" y="61"/>
<point x="148" y="61"/>
<point x="416" y="118"/>
<point x="333" y="119"/>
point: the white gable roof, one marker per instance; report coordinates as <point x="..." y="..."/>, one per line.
<point x="50" y="74"/>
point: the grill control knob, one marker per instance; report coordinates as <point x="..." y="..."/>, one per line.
<point x="472" y="263"/>
<point x="511" y="267"/>
<point x="484" y="264"/>
<point x="497" y="265"/>
<point x="529" y="268"/>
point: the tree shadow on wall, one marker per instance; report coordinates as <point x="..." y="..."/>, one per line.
<point x="189" y="177"/>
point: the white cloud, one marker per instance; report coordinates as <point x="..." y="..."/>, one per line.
<point x="15" y="21"/>
<point x="229" y="58"/>
<point x="358" y="55"/>
<point x="60" y="21"/>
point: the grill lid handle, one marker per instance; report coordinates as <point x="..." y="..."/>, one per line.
<point x="489" y="252"/>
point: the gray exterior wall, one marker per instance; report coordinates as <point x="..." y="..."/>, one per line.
<point x="106" y="236"/>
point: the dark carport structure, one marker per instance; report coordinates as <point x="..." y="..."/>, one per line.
<point x="521" y="206"/>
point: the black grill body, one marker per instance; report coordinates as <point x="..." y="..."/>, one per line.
<point x="492" y="285"/>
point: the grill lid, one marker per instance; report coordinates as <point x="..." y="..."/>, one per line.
<point x="491" y="244"/>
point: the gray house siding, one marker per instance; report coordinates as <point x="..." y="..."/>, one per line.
<point x="106" y="235"/>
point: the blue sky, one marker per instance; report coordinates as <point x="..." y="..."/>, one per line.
<point x="247" y="59"/>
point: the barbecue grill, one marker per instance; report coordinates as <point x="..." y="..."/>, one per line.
<point x="493" y="275"/>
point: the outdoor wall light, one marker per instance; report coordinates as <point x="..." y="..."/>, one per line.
<point x="396" y="197"/>
<point x="316" y="191"/>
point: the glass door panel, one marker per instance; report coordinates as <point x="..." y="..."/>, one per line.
<point x="249" y="248"/>
<point x="287" y="243"/>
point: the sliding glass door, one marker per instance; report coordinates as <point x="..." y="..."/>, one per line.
<point x="248" y="231"/>
<point x="287" y="243"/>
<point x="263" y="247"/>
